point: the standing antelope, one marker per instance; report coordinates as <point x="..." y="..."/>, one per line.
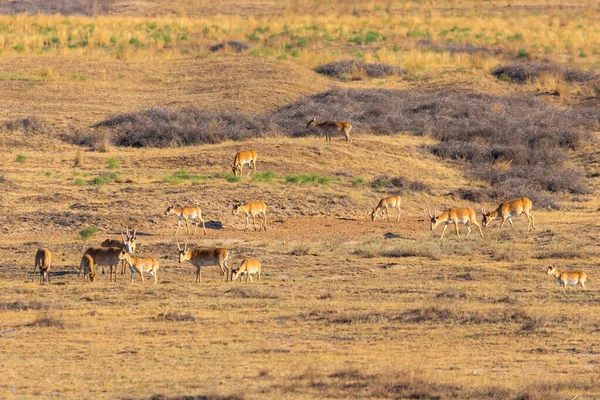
<point x="455" y="216"/>
<point x="43" y="259"/>
<point x="509" y="209"/>
<point x="248" y="267"/>
<point x="87" y="266"/>
<point x="141" y="265"/>
<point x="565" y="278"/>
<point x="242" y="158"/>
<point x="185" y="213"/>
<point x="205" y="258"/>
<point x="105" y="257"/>
<point x="127" y="243"/>
<point x="253" y="209"/>
<point x="390" y="201"/>
<point x="329" y="126"/>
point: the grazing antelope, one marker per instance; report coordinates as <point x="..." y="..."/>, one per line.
<point x="329" y="126"/>
<point x="205" y="258"/>
<point x="565" y="278"/>
<point x="87" y="266"/>
<point x="390" y="201"/>
<point x="455" y="216"/>
<point x="127" y="243"/>
<point x="140" y="265"/>
<point x="509" y="209"/>
<point x="242" y="158"/>
<point x="253" y="209"/>
<point x="185" y="213"/>
<point x="248" y="267"/>
<point x="106" y="257"/>
<point x="43" y="259"/>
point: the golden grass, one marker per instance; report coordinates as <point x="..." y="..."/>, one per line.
<point x="347" y="308"/>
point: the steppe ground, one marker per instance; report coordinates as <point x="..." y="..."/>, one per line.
<point x="346" y="308"/>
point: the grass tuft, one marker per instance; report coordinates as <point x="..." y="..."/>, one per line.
<point x="87" y="232"/>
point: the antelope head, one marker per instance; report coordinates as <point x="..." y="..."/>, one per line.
<point x="169" y="209"/>
<point x="551" y="270"/>
<point x="486" y="217"/>
<point x="182" y="252"/>
<point x="311" y="122"/>
<point x="236" y="208"/>
<point x="123" y="254"/>
<point x="433" y="219"/>
<point x="373" y="215"/>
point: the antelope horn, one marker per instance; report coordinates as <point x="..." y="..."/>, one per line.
<point x="123" y="237"/>
<point x="185" y="246"/>
<point x="482" y="209"/>
<point x="429" y="211"/>
<point x="178" y="245"/>
<point x="134" y="232"/>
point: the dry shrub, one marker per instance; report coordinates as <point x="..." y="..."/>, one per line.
<point x="196" y="397"/>
<point x="63" y="7"/>
<point x="529" y="71"/>
<point x="173" y="316"/>
<point x="234" y="45"/>
<point x="97" y="141"/>
<point x="23" y="305"/>
<point x="356" y="70"/>
<point x="27" y="125"/>
<point x="161" y="127"/>
<point x="48" y="321"/>
<point x="411" y="249"/>
<point x="245" y="292"/>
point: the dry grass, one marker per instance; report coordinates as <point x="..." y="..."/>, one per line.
<point x="346" y="307"/>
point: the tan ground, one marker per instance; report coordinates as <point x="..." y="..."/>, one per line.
<point x="347" y="308"/>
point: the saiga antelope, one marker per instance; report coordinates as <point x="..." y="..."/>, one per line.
<point x="246" y="157"/>
<point x="105" y="257"/>
<point x="565" y="278"/>
<point x="390" y="201"/>
<point x="140" y="265"/>
<point x="455" y="216"/>
<point x="127" y="243"/>
<point x="509" y="209"/>
<point x="329" y="126"/>
<point x="185" y="213"/>
<point x="205" y="258"/>
<point x="43" y="259"/>
<point x="253" y="209"/>
<point x="248" y="267"/>
<point x="87" y="266"/>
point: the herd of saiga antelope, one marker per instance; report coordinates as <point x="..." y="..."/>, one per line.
<point x="113" y="252"/>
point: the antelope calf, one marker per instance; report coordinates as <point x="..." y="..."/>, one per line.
<point x="140" y="265"/>
<point x="248" y="267"/>
<point x="253" y="209"/>
<point x="455" y="216"/>
<point x="184" y="214"/>
<point x="43" y="259"/>
<point x="329" y="126"/>
<point x="105" y="257"/>
<point x="205" y="258"/>
<point x="509" y="209"/>
<point x="565" y="278"/>
<point x="87" y="266"/>
<point x="390" y="201"/>
<point x="246" y="157"/>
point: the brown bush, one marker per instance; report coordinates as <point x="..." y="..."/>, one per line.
<point x="355" y="69"/>
<point x="524" y="72"/>
<point x="234" y="45"/>
<point x="27" y="125"/>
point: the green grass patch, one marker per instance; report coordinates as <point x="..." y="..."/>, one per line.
<point x="315" y="179"/>
<point x="357" y="182"/>
<point x="264" y="176"/>
<point x="112" y="163"/>
<point x="21" y="158"/>
<point x="99" y="180"/>
<point x="88" y="232"/>
<point x="79" y="182"/>
<point x="182" y="175"/>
